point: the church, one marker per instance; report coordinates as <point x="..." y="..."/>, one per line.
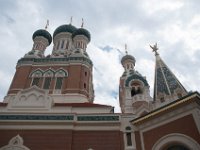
<point x="50" y="102"/>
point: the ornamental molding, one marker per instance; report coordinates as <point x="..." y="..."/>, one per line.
<point x="33" y="98"/>
<point x="16" y="143"/>
<point x="176" y="137"/>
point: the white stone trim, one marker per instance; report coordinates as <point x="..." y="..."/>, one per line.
<point x="176" y="137"/>
<point x="16" y="143"/>
<point x="168" y="117"/>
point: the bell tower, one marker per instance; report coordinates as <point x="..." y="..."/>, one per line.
<point x="65" y="74"/>
<point x="134" y="94"/>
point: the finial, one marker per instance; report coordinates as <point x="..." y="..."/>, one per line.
<point x="155" y="49"/>
<point x="47" y="24"/>
<point x="82" y="23"/>
<point x="71" y="20"/>
<point x="126" y="49"/>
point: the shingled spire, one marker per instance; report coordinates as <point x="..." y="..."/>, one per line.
<point x="166" y="86"/>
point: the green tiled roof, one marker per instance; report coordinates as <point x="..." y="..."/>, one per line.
<point x="44" y="33"/>
<point x="82" y="31"/>
<point x="65" y="28"/>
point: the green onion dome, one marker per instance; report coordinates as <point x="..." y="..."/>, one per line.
<point x="64" y="28"/>
<point x="43" y="33"/>
<point x="127" y="57"/>
<point x="82" y="31"/>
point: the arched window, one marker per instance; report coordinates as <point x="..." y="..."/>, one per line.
<point x="67" y="45"/>
<point x="136" y="88"/>
<point x="128" y="136"/>
<point x="48" y="77"/>
<point x="62" y="44"/>
<point x="36" y="77"/>
<point x="60" y="74"/>
<point x="58" y="44"/>
<point x="176" y="141"/>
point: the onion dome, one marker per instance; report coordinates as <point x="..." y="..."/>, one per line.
<point x="82" y="31"/>
<point x="43" y="33"/>
<point x="128" y="57"/>
<point x="64" y="28"/>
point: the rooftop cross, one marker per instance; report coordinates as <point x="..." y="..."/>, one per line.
<point x="82" y="23"/>
<point x="126" y="49"/>
<point x="47" y="24"/>
<point x="155" y="49"/>
<point x="71" y="20"/>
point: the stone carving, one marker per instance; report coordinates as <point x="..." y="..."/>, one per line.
<point x="16" y="143"/>
<point x="31" y="98"/>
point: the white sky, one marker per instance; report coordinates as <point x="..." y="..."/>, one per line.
<point x="173" y="24"/>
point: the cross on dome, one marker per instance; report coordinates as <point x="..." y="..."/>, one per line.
<point x="71" y="18"/>
<point x="155" y="48"/>
<point x="126" y="51"/>
<point x="47" y="24"/>
<point x="82" y="23"/>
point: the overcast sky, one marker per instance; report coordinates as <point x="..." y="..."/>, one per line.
<point x="173" y="24"/>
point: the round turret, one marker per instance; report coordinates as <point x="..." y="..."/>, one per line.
<point x="82" y="31"/>
<point x="43" y="33"/>
<point x="128" y="62"/>
<point x="65" y="28"/>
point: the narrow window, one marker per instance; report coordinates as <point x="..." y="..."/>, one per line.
<point x="84" y="85"/>
<point x="47" y="83"/>
<point x="62" y="44"/>
<point x="85" y="73"/>
<point x="58" y="44"/>
<point x="35" y="81"/>
<point x="67" y="45"/>
<point x="58" y="83"/>
<point x="133" y="92"/>
<point x="128" y="138"/>
<point x="79" y="44"/>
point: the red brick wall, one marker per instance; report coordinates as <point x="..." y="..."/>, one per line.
<point x="184" y="125"/>
<point x="40" y="139"/>
<point x="75" y="80"/>
<point x="98" y="140"/>
<point x="65" y="139"/>
<point x="137" y="140"/>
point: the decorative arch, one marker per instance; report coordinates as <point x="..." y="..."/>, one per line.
<point x="61" y="73"/>
<point x="135" y="77"/>
<point x="37" y="73"/>
<point x="16" y="143"/>
<point x="180" y="139"/>
<point x="49" y="73"/>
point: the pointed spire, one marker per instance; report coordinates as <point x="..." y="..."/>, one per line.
<point x="82" y="23"/>
<point x="47" y="24"/>
<point x="166" y="85"/>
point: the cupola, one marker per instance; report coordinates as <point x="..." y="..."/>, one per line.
<point x="41" y="39"/>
